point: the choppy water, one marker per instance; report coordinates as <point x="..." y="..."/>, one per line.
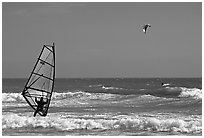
<point x="112" y="106"/>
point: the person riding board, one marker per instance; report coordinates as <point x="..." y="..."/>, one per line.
<point x="40" y="106"/>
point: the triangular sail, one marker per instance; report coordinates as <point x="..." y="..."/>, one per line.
<point x="41" y="81"/>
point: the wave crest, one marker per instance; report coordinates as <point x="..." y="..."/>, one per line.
<point x="171" y="92"/>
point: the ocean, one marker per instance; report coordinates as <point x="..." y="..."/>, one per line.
<point x="107" y="107"/>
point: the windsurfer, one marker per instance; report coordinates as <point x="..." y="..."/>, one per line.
<point x="145" y="27"/>
<point x="40" y="106"/>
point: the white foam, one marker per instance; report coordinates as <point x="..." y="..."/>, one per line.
<point x="111" y="88"/>
<point x="76" y="98"/>
<point x="184" y="92"/>
<point x="115" y="122"/>
<point x="83" y="95"/>
<point x="7" y="97"/>
<point x="166" y="84"/>
<point x="191" y="92"/>
<point x="148" y="96"/>
<point x="97" y="85"/>
<point x="65" y="95"/>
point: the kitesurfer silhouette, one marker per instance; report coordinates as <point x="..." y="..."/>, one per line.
<point x="40" y="106"/>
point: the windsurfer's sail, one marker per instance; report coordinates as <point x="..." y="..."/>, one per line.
<point x="41" y="80"/>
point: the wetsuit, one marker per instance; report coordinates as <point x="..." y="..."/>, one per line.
<point x="40" y="106"/>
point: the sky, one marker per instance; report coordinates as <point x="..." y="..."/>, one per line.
<point x="104" y="39"/>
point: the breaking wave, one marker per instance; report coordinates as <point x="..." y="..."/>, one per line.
<point x="194" y="125"/>
<point x="173" y="92"/>
<point x="181" y="92"/>
<point x="194" y="92"/>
